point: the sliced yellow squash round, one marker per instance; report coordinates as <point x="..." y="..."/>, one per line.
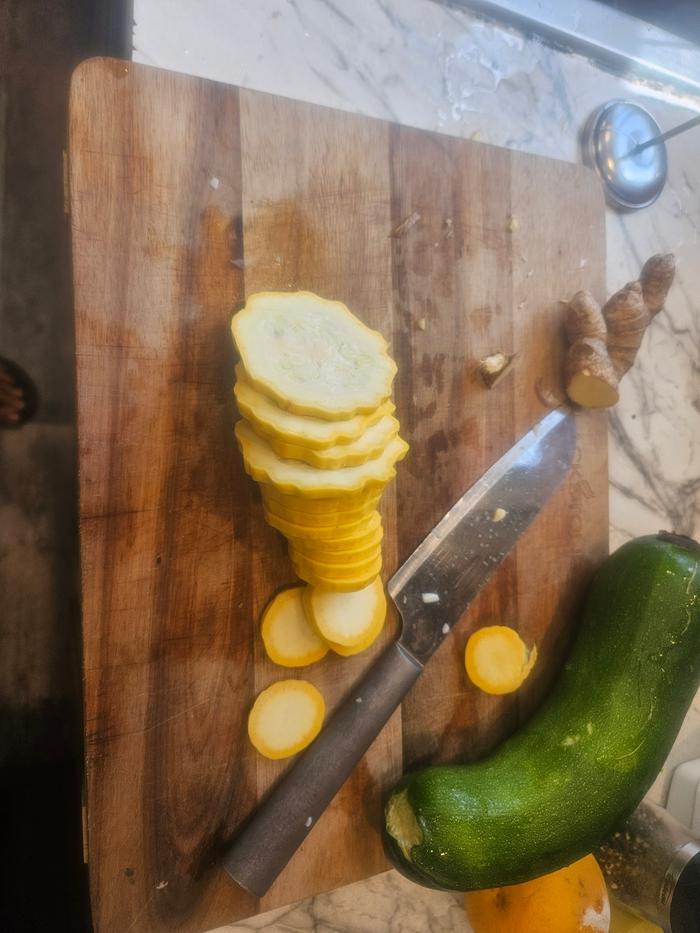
<point x="313" y="520"/>
<point x="372" y="636"/>
<point x="348" y="532"/>
<point x="335" y="578"/>
<point x="289" y="637"/>
<point x="275" y="423"/>
<point x="355" y="551"/>
<point x="263" y="464"/>
<point x="366" y="447"/>
<point x="285" y="718"/>
<point x="311" y="355"/>
<point x="338" y="547"/>
<point x="349" y="569"/>
<point x="346" y="620"/>
<point x="330" y="504"/>
<point x="497" y="660"/>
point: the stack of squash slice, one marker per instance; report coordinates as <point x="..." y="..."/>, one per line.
<point x="317" y="431"/>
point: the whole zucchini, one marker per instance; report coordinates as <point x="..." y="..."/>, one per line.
<point x="558" y="787"/>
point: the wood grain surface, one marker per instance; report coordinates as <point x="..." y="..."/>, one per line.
<point x="185" y="196"/>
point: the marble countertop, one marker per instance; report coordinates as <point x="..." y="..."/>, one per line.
<point x="431" y="66"/>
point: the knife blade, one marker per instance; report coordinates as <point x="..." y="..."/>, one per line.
<point x="432" y="590"/>
<point x="435" y="585"/>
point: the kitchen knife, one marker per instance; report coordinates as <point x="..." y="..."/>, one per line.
<point x="431" y="592"/>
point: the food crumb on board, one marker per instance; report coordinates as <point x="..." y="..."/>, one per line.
<point x="309" y="821"/>
<point x="161" y="885"/>
<point x="214" y="182"/>
<point x="445" y="629"/>
<point x="421" y="323"/>
<point x="583" y="264"/>
<point x="499" y="515"/>
<point x="358" y="699"/>
<point x="512" y="224"/>
<point x="405" y="224"/>
<point x="449" y="228"/>
<point x="430" y="598"/>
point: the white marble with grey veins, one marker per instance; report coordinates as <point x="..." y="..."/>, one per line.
<point x="434" y="67"/>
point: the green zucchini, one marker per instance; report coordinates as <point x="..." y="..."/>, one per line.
<point x="557" y="788"/>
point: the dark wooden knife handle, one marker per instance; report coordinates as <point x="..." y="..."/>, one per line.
<point x="284" y="819"/>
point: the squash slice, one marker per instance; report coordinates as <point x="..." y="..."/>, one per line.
<point x="372" y="636"/>
<point x="285" y="718"/>
<point x="497" y="660"/>
<point x="366" y="447"/>
<point x="275" y="423"/>
<point x="322" y="550"/>
<point x="333" y="580"/>
<point x="348" y="532"/>
<point x="347" y="620"/>
<point x="337" y="571"/>
<point x="356" y="552"/>
<point x="289" y="638"/>
<point x="313" y="520"/>
<point x="263" y="465"/>
<point x="331" y="504"/>
<point x="340" y="560"/>
<point x="311" y="355"/>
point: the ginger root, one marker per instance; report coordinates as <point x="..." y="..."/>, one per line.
<point x="656" y="278"/>
<point x="627" y="318"/>
<point x="590" y="374"/>
<point x="494" y="367"/>
<point x="604" y="344"/>
<point x="584" y="318"/>
<point x="591" y="379"/>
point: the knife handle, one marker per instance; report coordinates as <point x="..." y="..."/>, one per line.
<point x="282" y="822"/>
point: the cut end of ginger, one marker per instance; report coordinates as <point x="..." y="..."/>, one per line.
<point x="289" y="638"/>
<point x="497" y="660"/>
<point x="494" y="367"/>
<point x="592" y="391"/>
<point x="285" y="718"/>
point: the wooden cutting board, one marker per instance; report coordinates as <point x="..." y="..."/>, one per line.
<point x="185" y="196"/>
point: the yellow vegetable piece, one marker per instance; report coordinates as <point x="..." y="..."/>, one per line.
<point x="343" y="531"/>
<point x="339" y="544"/>
<point x="345" y="503"/>
<point x="319" y="519"/>
<point x="497" y="659"/>
<point x="337" y="572"/>
<point x="285" y="718"/>
<point x="372" y="635"/>
<point x="311" y="355"/>
<point x="289" y="638"/>
<point x="263" y="464"/>
<point x="314" y="551"/>
<point x="347" y="620"/>
<point x="275" y="423"/>
<point x="368" y="445"/>
<point x="332" y="580"/>
<point x="571" y="900"/>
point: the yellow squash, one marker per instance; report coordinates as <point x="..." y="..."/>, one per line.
<point x="311" y="355"/>
<point x="291" y="476"/>
<point x="275" y="423"/>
